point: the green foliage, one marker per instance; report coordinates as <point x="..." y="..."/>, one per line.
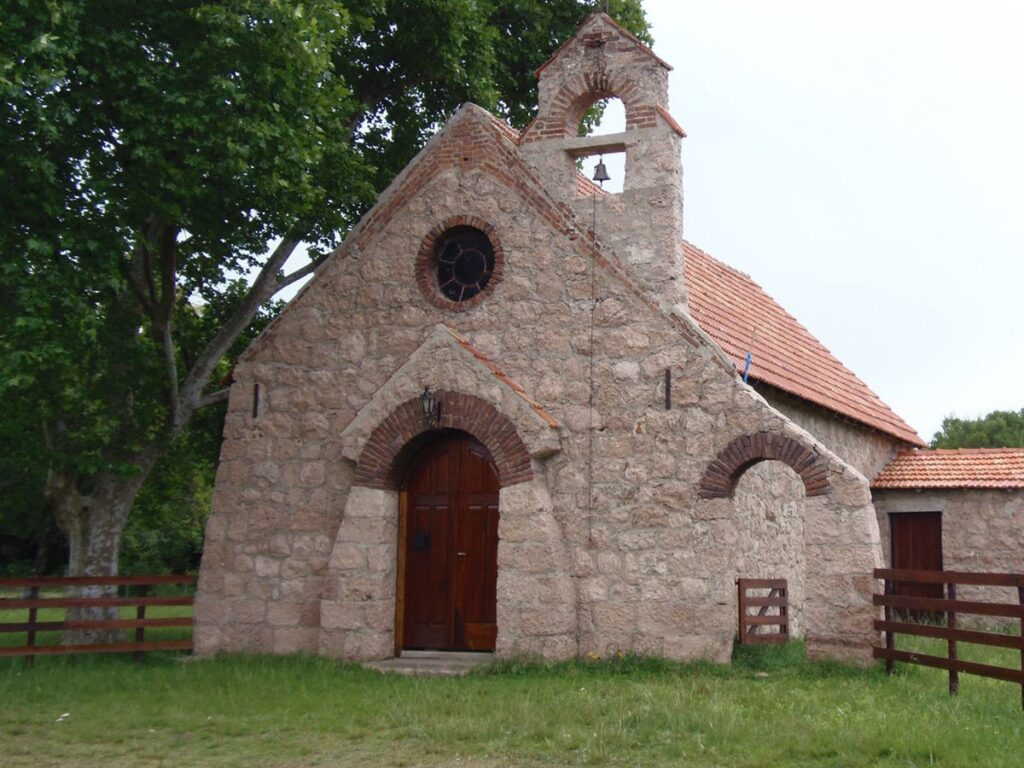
<point x="165" y="531"/>
<point x="152" y="151"/>
<point x="999" y="429"/>
<point x="442" y="53"/>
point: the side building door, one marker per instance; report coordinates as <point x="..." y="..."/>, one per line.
<point x="917" y="545"/>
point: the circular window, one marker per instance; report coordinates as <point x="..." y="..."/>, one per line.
<point x="459" y="263"/>
<point x="465" y="262"/>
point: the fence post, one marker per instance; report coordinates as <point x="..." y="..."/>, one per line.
<point x="32" y="616"/>
<point x="890" y="639"/>
<point x="140" y="613"/>
<point x="784" y="610"/>
<point x="742" y="605"/>
<point x="954" y="675"/>
<point x="1020" y="600"/>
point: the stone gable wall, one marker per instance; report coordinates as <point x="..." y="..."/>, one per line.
<point x="647" y="565"/>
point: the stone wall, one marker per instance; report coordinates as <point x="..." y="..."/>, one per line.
<point x="864" y="448"/>
<point x="770" y="496"/>
<point x="613" y="539"/>
<point x="982" y="530"/>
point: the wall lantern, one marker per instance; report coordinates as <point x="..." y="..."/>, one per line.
<point x="431" y="407"/>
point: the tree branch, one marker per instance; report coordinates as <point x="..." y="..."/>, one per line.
<point x="171" y="369"/>
<point x="263" y="288"/>
<point x="213" y="397"/>
<point x="297" y="275"/>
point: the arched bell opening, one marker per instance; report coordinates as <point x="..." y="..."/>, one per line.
<point x="447" y="544"/>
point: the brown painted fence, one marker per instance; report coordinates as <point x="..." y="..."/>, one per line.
<point x="948" y="630"/>
<point x="140" y="623"/>
<point x="755" y="629"/>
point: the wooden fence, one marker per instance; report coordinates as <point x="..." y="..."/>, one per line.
<point x="140" y="623"/>
<point x="948" y="630"/>
<point x="777" y="597"/>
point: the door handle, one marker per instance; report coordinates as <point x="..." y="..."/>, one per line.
<point x="461" y="554"/>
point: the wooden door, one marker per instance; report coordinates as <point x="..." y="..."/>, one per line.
<point x="451" y="549"/>
<point x="917" y="545"/>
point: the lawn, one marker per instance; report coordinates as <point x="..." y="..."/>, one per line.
<point x="771" y="708"/>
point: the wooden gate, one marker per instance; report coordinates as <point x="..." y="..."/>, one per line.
<point x="763" y="626"/>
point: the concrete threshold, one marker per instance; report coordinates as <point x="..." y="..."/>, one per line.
<point x="437" y="663"/>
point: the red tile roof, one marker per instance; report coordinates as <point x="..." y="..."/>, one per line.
<point x="736" y="312"/>
<point x="585" y="187"/>
<point x="960" y="468"/>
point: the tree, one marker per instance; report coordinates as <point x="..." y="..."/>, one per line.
<point x="153" y="150"/>
<point x="999" y="429"/>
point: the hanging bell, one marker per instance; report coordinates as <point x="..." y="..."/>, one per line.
<point x="601" y="173"/>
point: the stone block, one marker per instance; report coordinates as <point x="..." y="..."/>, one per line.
<point x="550" y="620"/>
<point x="248" y="612"/>
<point x="284" y="614"/>
<point x="348" y="556"/>
<point x="342" y="615"/>
<point x="267" y="566"/>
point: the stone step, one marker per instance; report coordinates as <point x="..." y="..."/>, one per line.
<point x="437" y="663"/>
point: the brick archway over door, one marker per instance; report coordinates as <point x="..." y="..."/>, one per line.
<point x="722" y="474"/>
<point x="376" y="465"/>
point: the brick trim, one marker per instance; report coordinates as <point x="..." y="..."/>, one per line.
<point x="426" y="264"/>
<point x="561" y="117"/>
<point x="722" y="474"/>
<point x="377" y="462"/>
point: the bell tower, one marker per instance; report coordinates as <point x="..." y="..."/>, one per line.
<point x="643" y="224"/>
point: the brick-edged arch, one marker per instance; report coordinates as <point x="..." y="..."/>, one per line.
<point x="562" y="116"/>
<point x="722" y="474"/>
<point x="376" y="465"/>
<point x="426" y="264"/>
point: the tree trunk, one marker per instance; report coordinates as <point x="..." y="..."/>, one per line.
<point x="93" y="522"/>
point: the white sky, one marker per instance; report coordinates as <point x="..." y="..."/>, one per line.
<point x="863" y="161"/>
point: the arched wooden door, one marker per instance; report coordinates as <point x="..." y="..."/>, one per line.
<point x="451" y="549"/>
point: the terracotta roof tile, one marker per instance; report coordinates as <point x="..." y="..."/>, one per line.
<point x="672" y="122"/>
<point x="585" y="187"/>
<point x="960" y="468"/>
<point x="504" y="378"/>
<point x="737" y="313"/>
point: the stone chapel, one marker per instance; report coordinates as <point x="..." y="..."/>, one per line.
<point x="509" y="414"/>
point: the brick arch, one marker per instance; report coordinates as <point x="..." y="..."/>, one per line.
<point x="377" y="462"/>
<point x="426" y="263"/>
<point x="560" y="117"/>
<point x="578" y="93"/>
<point x="722" y="474"/>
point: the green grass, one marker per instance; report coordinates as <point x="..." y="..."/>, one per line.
<point x="770" y="708"/>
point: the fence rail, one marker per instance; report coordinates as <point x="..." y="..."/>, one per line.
<point x="750" y="624"/>
<point x="140" y="623"/>
<point x="950" y="631"/>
